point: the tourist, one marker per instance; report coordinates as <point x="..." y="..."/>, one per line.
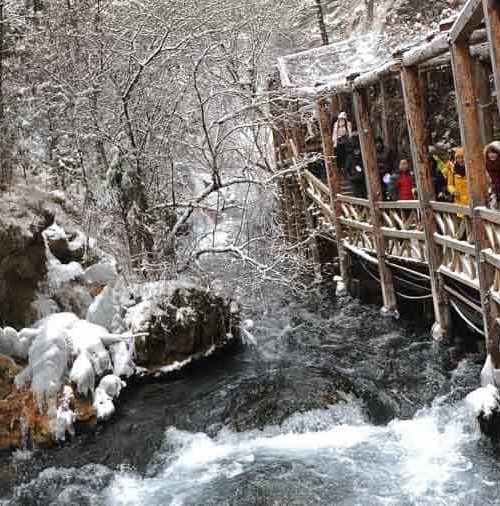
<point x="403" y="183"/>
<point x="457" y="179"/>
<point x="492" y="161"/>
<point x="384" y="166"/>
<point x="342" y="132"/>
<point x="354" y="167"/>
<point x="439" y="182"/>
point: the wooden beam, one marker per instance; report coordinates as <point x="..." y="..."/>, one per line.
<point x="403" y="234"/>
<point x="463" y="72"/>
<point x="400" y="204"/>
<point x="468" y="20"/>
<point x="461" y="279"/>
<point x="383" y="112"/>
<point x="333" y="183"/>
<point x="358" y="225"/>
<point x="492" y="18"/>
<point x="353" y="200"/>
<point x="369" y="152"/>
<point x="454" y="244"/>
<point x="445" y="207"/>
<point x="483" y="93"/>
<point x="415" y="100"/>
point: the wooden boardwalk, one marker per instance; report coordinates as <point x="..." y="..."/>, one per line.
<point x="455" y="248"/>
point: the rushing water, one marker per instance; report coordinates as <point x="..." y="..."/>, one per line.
<point x="288" y="423"/>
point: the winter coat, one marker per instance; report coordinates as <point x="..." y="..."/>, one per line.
<point x="439" y="183"/>
<point x="404" y="186"/>
<point x="457" y="184"/>
<point x="493" y="167"/>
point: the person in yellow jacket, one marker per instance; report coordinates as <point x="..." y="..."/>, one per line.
<point x="457" y="179"/>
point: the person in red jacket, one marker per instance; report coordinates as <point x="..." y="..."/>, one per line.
<point x="404" y="184"/>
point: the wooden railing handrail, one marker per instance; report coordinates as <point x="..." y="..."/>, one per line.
<point x="489" y="215"/>
<point x="399" y="204"/>
<point x="445" y="207"/>
<point x="352" y="200"/>
<point x="322" y="187"/>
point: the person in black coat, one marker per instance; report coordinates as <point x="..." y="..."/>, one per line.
<point x="354" y="167"/>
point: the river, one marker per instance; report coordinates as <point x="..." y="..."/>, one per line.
<point x="336" y="405"/>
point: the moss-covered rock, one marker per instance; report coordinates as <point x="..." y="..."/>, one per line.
<point x="186" y="322"/>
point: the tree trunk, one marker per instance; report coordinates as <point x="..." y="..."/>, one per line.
<point x="370" y="10"/>
<point x="321" y="23"/>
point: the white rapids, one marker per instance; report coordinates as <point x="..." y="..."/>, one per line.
<point x="331" y="457"/>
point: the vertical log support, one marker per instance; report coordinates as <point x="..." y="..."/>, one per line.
<point x="492" y="18"/>
<point x="333" y="183"/>
<point x="367" y="141"/>
<point x="463" y="72"/>
<point x="483" y="93"/>
<point x="305" y="222"/>
<point x="383" y="112"/>
<point x="414" y="99"/>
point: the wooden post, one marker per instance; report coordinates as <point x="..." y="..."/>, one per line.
<point x="333" y="183"/>
<point x="367" y="141"/>
<point x="492" y="18"/>
<point x="483" y="93"/>
<point x="463" y="72"/>
<point x="299" y="148"/>
<point x="383" y="111"/>
<point x="414" y="98"/>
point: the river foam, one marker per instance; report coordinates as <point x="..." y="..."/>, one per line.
<point x="432" y="459"/>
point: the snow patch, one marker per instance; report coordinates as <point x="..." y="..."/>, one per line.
<point x="484" y="401"/>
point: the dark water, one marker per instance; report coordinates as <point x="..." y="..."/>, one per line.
<point x="335" y="406"/>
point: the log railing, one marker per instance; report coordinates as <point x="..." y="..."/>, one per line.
<point x="319" y="194"/>
<point x="403" y="230"/>
<point x="455" y="236"/>
<point x="491" y="255"/>
<point x="356" y="222"/>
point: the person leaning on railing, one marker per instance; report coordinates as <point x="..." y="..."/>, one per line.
<point x="492" y="162"/>
<point x="457" y="179"/>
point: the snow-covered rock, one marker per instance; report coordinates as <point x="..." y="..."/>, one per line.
<point x="101" y="273"/>
<point x="82" y="374"/>
<point x="112" y="385"/>
<point x="122" y="357"/>
<point x="484" y="401"/>
<point x="85" y="336"/>
<point x="103" y="405"/>
<point x="490" y="375"/>
<point x="101" y="311"/>
<point x="48" y="357"/>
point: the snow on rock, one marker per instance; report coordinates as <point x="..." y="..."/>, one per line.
<point x="137" y="317"/>
<point x="101" y="273"/>
<point x="55" y="233"/>
<point x="85" y="336"/>
<point x="490" y="375"/>
<point x="122" y="355"/>
<point x="103" y="405"/>
<point x="16" y="344"/>
<point x="484" y="401"/>
<point x="101" y="311"/>
<point x="112" y="385"/>
<point x="59" y="274"/>
<point x="48" y="357"/>
<point x="82" y="374"/>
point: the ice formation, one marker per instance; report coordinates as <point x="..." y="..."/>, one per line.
<point x="101" y="311"/>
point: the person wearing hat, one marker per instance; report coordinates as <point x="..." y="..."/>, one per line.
<point x="457" y="179"/>
<point x="342" y="132"/>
